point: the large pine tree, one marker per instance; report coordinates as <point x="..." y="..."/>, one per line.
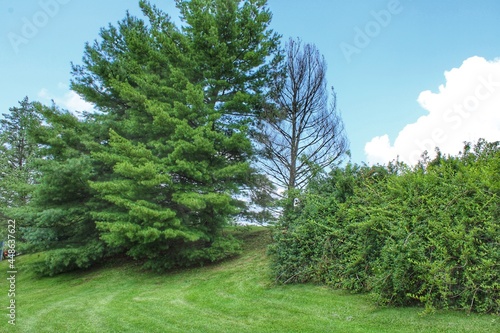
<point x="179" y="103"/>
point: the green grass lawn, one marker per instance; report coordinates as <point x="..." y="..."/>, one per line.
<point x="234" y="296"/>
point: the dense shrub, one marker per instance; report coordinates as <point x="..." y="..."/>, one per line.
<point x="428" y="234"/>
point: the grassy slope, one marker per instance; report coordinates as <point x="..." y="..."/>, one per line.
<point x="234" y="296"/>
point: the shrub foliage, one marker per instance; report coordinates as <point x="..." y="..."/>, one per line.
<point x="428" y="234"/>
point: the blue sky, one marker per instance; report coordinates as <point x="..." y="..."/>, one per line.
<point x="408" y="74"/>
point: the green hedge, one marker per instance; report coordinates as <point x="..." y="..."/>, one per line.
<point x="427" y="235"/>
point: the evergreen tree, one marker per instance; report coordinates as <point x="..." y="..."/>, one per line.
<point x="57" y="220"/>
<point x="17" y="151"/>
<point x="179" y="103"/>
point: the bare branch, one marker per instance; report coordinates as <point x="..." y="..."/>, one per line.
<point x="303" y="129"/>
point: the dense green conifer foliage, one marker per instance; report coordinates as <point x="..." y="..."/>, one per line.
<point x="18" y="150"/>
<point x="57" y="218"/>
<point x="157" y="170"/>
<point x="180" y="103"/>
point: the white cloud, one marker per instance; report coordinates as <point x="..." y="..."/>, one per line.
<point x="465" y="108"/>
<point x="66" y="99"/>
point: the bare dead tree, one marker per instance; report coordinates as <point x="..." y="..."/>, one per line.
<point x="303" y="130"/>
